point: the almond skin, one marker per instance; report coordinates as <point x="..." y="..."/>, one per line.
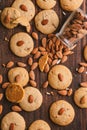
<point x="10" y="64"/>
<point x="33" y="83"/>
<point x="83" y="64"/>
<point x="35" y="35"/>
<point x="45" y="84"/>
<point x="81" y="69"/>
<point x="35" y="50"/>
<point x="61" y="111"/>
<point x="32" y="75"/>
<point x="5" y="85"/>
<point x="83" y="84"/>
<point x="21" y="64"/>
<point x="20" y="43"/>
<point x="16" y="108"/>
<point x="1" y="109"/>
<point x="30" y="99"/>
<point x="23" y="7"/>
<point x="46" y="69"/>
<point x="42" y="48"/>
<point x="11" y="126"/>
<point x="54" y="62"/>
<point x="44" y="22"/>
<point x="60" y="77"/>
<point x="64" y="59"/>
<point x="37" y="55"/>
<point x="34" y="66"/>
<point x="1" y="96"/>
<point x="44" y="42"/>
<point x="1" y="79"/>
<point x="30" y="61"/>
<point x="62" y="92"/>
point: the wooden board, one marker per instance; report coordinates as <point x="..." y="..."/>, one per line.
<point x="80" y="121"/>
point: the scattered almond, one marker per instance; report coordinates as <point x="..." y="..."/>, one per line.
<point x="30" y="61"/>
<point x="60" y="77"/>
<point x="81" y="69"/>
<point x="83" y="84"/>
<point x="33" y="83"/>
<point x="67" y="53"/>
<point x="32" y="75"/>
<point x="17" y="78"/>
<point x="21" y="64"/>
<point x="1" y="96"/>
<point x="1" y="109"/>
<point x="5" y="85"/>
<point x="20" y="43"/>
<point x="62" y="92"/>
<point x="34" y="66"/>
<point x="10" y="64"/>
<point x="37" y="55"/>
<point x="44" y="42"/>
<point x="16" y="108"/>
<point x="61" y="111"/>
<point x="54" y="62"/>
<point x="46" y="68"/>
<point x="64" y="59"/>
<point x="1" y="79"/>
<point x="70" y="91"/>
<point x="83" y="64"/>
<point x="45" y="84"/>
<point x="23" y="7"/>
<point x="42" y="48"/>
<point x="30" y="99"/>
<point x="35" y="50"/>
<point x="35" y="35"/>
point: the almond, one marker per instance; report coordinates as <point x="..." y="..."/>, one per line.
<point x="46" y="68"/>
<point x="81" y="69"/>
<point x="23" y="7"/>
<point x="62" y="92"/>
<point x="30" y="99"/>
<point x="43" y="53"/>
<point x="30" y="61"/>
<point x="16" y="108"/>
<point x="49" y="61"/>
<point x="83" y="84"/>
<point x="45" y="84"/>
<point x="60" y="77"/>
<point x="7" y="19"/>
<point x="20" y="43"/>
<point x="54" y="39"/>
<point x="1" y="79"/>
<point x="54" y="62"/>
<point x="83" y="99"/>
<point x="42" y="48"/>
<point x="11" y="126"/>
<point x="34" y="66"/>
<point x="32" y="75"/>
<point x="17" y="78"/>
<point x="37" y="55"/>
<point x="59" y="54"/>
<point x="10" y="64"/>
<point x="1" y="109"/>
<point x="35" y="50"/>
<point x="67" y="53"/>
<point x="5" y="85"/>
<point x="61" y="111"/>
<point x="44" y="22"/>
<point x="70" y="91"/>
<point x="51" y="35"/>
<point x="50" y="44"/>
<point x="33" y="83"/>
<point x="83" y="64"/>
<point x="21" y="64"/>
<point x="44" y="42"/>
<point x="64" y="59"/>
<point x="1" y="96"/>
<point x="35" y="35"/>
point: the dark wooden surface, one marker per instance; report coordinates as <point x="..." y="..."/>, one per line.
<point x="80" y="121"/>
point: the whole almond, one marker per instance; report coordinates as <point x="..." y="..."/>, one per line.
<point x="46" y="68"/>
<point x="21" y="64"/>
<point x="35" y="50"/>
<point x="37" y="55"/>
<point x="60" y="77"/>
<point x="1" y="96"/>
<point x="42" y="48"/>
<point x="54" y="62"/>
<point x="44" y="42"/>
<point x="43" y="53"/>
<point x="33" y="83"/>
<point x="34" y="66"/>
<point x="67" y="53"/>
<point x="30" y="99"/>
<point x="16" y="108"/>
<point x="44" y="22"/>
<point x="11" y="126"/>
<point x="83" y="84"/>
<point x="7" y="19"/>
<point x="30" y="61"/>
<point x="54" y="39"/>
<point x="70" y="91"/>
<point x="61" y="111"/>
<point x="59" y="54"/>
<point x="17" y="78"/>
<point x="10" y="64"/>
<point x="32" y="75"/>
<point x="1" y="79"/>
<point x="1" y="109"/>
<point x="51" y="35"/>
<point x="5" y="85"/>
<point x="83" y="64"/>
<point x="50" y="44"/>
<point x="62" y="92"/>
<point x="20" y="43"/>
<point x="64" y="59"/>
<point x="23" y="7"/>
<point x="49" y="61"/>
<point x="83" y="99"/>
<point x="35" y="35"/>
<point x="81" y="69"/>
<point x="45" y="84"/>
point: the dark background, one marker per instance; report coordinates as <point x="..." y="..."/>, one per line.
<point x="80" y="121"/>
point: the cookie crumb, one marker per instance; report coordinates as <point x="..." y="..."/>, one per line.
<point x="6" y="39"/>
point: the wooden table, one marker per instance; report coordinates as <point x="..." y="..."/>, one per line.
<point x="80" y="121"/>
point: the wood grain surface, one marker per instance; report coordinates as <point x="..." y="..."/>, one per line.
<point x="80" y="121"/>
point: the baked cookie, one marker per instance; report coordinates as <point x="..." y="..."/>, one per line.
<point x="21" y="44"/>
<point x="85" y="53"/>
<point x="13" y="119"/>
<point x="32" y="99"/>
<point x="62" y="113"/>
<point x="25" y="7"/>
<point x="39" y="125"/>
<point x="80" y="97"/>
<point x="8" y="15"/>
<point x="46" y="4"/>
<point x="14" y="93"/>
<point x="47" y="21"/>
<point x="59" y="77"/>
<point x="70" y="5"/>
<point x="18" y="75"/>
